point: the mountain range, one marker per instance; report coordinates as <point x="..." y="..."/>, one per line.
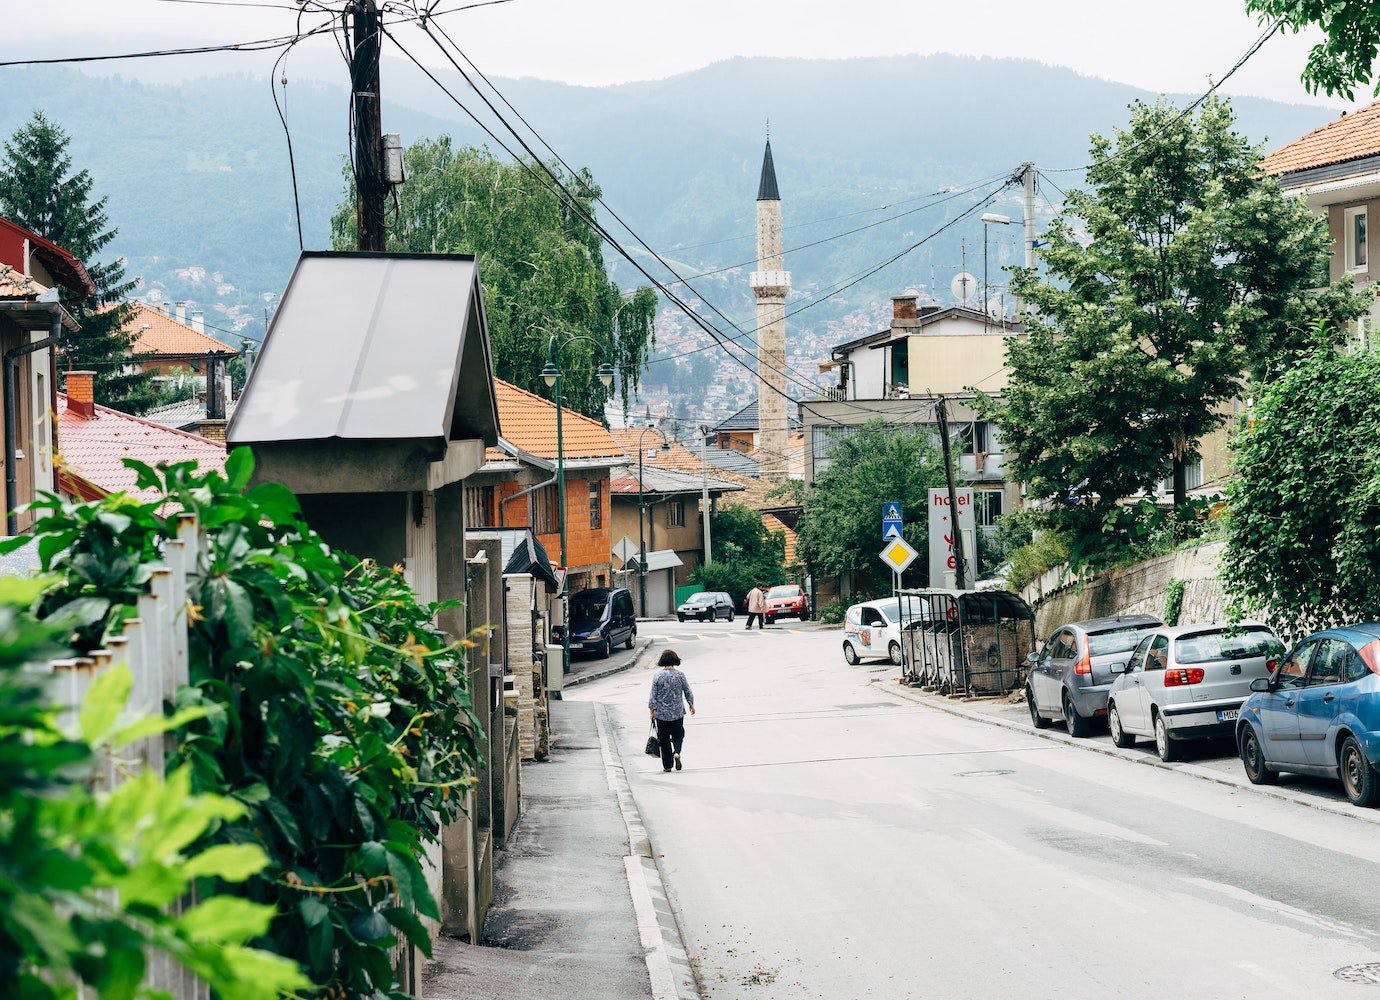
<point x="201" y="189"/>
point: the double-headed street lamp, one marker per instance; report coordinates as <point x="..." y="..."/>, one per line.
<point x="989" y="219"/>
<point x="551" y="375"/>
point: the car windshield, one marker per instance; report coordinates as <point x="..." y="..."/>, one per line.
<point x="700" y="599"/>
<point x="1121" y="640"/>
<point x="1243" y="645"/>
<point x="588" y="609"/>
<point x="784" y="592"/>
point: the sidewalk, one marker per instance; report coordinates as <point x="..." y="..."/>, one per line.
<point x="585" y="668"/>
<point x="575" y="913"/>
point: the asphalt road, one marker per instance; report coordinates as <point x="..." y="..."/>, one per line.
<point x="830" y="840"/>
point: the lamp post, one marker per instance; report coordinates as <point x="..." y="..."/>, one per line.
<point x="989" y="219"/>
<point x="704" y="494"/>
<point x="551" y="375"/>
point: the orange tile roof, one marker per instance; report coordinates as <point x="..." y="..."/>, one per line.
<point x="1351" y="137"/>
<point x="93" y="448"/>
<point x="528" y="422"/>
<point x="677" y="457"/>
<point x="159" y="334"/>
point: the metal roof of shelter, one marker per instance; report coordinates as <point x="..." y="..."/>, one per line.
<point x="374" y="347"/>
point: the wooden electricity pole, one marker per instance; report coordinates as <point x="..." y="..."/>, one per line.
<point x="370" y="185"/>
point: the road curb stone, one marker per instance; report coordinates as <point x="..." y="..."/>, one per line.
<point x="668" y="961"/>
<point x="888" y="684"/>
<point x="574" y="680"/>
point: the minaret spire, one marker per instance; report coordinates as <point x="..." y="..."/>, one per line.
<point x="770" y="284"/>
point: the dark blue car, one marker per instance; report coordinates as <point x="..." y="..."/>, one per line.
<point x="1319" y="713"/>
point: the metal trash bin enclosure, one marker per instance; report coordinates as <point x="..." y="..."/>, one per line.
<point x="968" y="642"/>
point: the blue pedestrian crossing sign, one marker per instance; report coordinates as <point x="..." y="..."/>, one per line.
<point x="891" y="521"/>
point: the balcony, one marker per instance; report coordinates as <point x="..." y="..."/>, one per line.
<point x="983" y="467"/>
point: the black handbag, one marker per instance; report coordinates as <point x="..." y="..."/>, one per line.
<point x="653" y="744"/>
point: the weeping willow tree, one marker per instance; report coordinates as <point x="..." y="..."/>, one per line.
<point x="542" y="268"/>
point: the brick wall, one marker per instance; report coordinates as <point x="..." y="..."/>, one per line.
<point x="586" y="547"/>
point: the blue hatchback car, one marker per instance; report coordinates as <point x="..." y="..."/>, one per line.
<point x="1319" y="713"/>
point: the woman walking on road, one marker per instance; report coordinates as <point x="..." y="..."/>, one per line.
<point x="670" y="694"/>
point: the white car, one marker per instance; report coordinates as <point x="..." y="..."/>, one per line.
<point x="873" y="628"/>
<point x="1188" y="682"/>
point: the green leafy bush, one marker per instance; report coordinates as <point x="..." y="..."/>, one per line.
<point x="833" y="612"/>
<point x="1173" y="602"/>
<point x="1047" y="550"/>
<point x="334" y="711"/>
<point x="85" y="876"/>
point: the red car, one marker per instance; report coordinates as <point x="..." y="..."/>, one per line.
<point x="787" y="601"/>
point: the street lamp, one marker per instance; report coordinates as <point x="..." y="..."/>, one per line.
<point x="989" y="219"/>
<point x="551" y="375"/>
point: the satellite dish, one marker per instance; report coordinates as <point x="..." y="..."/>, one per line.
<point x="964" y="287"/>
<point x="996" y="308"/>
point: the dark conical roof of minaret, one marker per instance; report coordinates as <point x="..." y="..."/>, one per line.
<point x="766" y="191"/>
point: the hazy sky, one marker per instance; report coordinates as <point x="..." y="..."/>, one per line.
<point x="1161" y="45"/>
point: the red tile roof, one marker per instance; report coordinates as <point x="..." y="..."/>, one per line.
<point x="92" y="449"/>
<point x="160" y="334"/>
<point x="528" y="422"/>
<point x="1352" y="137"/>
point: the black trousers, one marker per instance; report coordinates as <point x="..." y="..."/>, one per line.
<point x="760" y="619"/>
<point x="671" y="736"/>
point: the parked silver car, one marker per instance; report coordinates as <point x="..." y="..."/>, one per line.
<point x="1189" y="683"/>
<point x="1070" y="677"/>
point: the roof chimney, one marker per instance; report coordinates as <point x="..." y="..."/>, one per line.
<point x="81" y="394"/>
<point x="182" y="312"/>
<point x="905" y="307"/>
<point x="199" y="321"/>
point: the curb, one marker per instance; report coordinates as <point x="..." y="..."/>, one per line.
<point x="1370" y="816"/>
<point x="663" y="943"/>
<point x="593" y="675"/>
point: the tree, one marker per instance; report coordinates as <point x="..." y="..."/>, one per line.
<point x="1177" y="276"/>
<point x="747" y="553"/>
<point x="840" y="531"/>
<point x="1345" y="59"/>
<point x="1302" y="547"/>
<point x="542" y="267"/>
<point x="39" y="192"/>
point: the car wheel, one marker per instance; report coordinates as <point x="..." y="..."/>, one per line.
<point x="606" y="650"/>
<point x="1253" y="759"/>
<point x="1359" y="779"/>
<point x="1036" y="719"/>
<point x="730" y="616"/>
<point x="632" y="637"/>
<point x="1120" y="736"/>
<point x="893" y="652"/>
<point x="705" y="618"/>
<point x="850" y="655"/>
<point x="1078" y="726"/>
<point x="682" y="618"/>
<point x="1167" y="749"/>
<point x="771" y="620"/>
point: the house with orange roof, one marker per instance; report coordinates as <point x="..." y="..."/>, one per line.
<point x="1335" y="169"/>
<point x="35" y="276"/>
<point x="95" y="440"/>
<point x="516" y="487"/>
<point x="168" y="344"/>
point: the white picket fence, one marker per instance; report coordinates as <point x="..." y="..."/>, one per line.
<point x="154" y="646"/>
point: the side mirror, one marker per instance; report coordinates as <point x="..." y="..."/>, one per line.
<point x="1032" y="657"/>
<point x="1118" y="668"/>
<point x="1260" y="684"/>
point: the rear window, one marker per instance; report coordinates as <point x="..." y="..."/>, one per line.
<point x="1121" y="640"/>
<point x="784" y="592"/>
<point x="1213" y="646"/>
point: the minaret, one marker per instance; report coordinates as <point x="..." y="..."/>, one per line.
<point x="770" y="283"/>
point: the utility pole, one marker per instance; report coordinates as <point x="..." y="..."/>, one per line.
<point x="960" y="576"/>
<point x="704" y="494"/>
<point x="1028" y="183"/>
<point x="371" y="185"/>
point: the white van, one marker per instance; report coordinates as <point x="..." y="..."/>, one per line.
<point x="873" y="628"/>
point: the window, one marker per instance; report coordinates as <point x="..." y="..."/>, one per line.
<point x="596" y="505"/>
<point x="1137" y="661"/>
<point x="1294" y="670"/>
<point x="479" y="507"/>
<point x="1329" y="662"/>
<point x="1158" y="656"/>
<point x="1121" y="640"/>
<point x="675" y="513"/>
<point x="1356" y="668"/>
<point x="1210" y="647"/>
<point x="988" y="504"/>
<point x="1357" y="244"/>
<point x="1063" y="646"/>
<point x="1193" y="476"/>
<point x="548" y="521"/>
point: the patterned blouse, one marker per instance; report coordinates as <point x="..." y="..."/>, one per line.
<point x="668" y="687"/>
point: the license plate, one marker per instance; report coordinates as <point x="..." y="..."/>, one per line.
<point x="1229" y="715"/>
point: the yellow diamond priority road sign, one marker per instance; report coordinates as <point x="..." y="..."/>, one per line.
<point x="898" y="555"/>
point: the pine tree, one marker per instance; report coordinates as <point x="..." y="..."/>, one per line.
<point x="39" y="191"/>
